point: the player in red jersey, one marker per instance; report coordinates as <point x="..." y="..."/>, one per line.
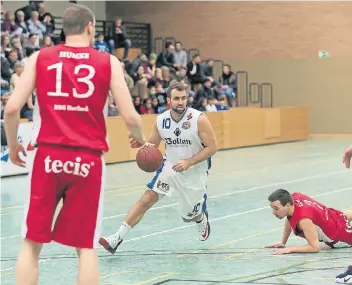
<point x="72" y="82"/>
<point x="310" y="220"/>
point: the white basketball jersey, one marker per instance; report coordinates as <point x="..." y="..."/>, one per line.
<point x="181" y="138"/>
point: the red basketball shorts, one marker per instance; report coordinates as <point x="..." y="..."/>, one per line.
<point x="344" y="232"/>
<point x="77" y="178"/>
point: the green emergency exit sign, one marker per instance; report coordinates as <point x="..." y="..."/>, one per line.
<point x="323" y="54"/>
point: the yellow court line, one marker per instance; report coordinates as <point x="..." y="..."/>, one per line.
<point x="232" y="241"/>
<point x="239" y="254"/>
<point x="156" y="278"/>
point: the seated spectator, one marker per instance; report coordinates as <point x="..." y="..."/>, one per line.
<point x="4" y="98"/>
<point x="166" y="58"/>
<point x="6" y="71"/>
<point x="140" y="84"/>
<point x="17" y="45"/>
<point x="137" y="104"/>
<point x="221" y="105"/>
<point x="35" y="26"/>
<point x="158" y="78"/>
<point x="155" y="105"/>
<point x="21" y="24"/>
<point x="49" y="24"/>
<point x="217" y="89"/>
<point x="166" y="76"/>
<point x="8" y="25"/>
<point x="47" y="42"/>
<point x="12" y="58"/>
<point x="5" y="45"/>
<point x="128" y="78"/>
<point x="101" y="45"/>
<point x="147" y="108"/>
<point x="209" y="69"/>
<point x="195" y="72"/>
<point x="204" y="92"/>
<point x="119" y="39"/>
<point x="201" y="105"/>
<point x="27" y="110"/>
<point x="211" y="107"/>
<point x="112" y="108"/>
<point x="150" y="67"/>
<point x="4" y="86"/>
<point x="32" y="45"/>
<point x="19" y="66"/>
<point x="229" y="84"/>
<point x="132" y="67"/>
<point x="180" y="56"/>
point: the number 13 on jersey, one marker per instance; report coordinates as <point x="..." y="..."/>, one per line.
<point x="58" y="67"/>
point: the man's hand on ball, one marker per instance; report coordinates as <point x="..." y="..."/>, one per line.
<point x="181" y="165"/>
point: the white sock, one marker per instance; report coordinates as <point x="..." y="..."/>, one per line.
<point x="123" y="230"/>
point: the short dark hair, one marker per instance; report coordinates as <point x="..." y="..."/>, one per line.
<point x="76" y="18"/>
<point x="281" y="195"/>
<point x="175" y="84"/>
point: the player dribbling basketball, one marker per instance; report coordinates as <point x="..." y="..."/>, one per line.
<point x="190" y="142"/>
<point x="72" y="82"/>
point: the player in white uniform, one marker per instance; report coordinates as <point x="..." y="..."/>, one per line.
<point x="190" y="142"/>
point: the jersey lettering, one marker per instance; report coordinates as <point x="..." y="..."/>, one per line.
<point x="166" y="123"/>
<point x="69" y="167"/>
<point x="86" y="80"/>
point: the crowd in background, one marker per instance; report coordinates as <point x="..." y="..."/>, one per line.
<point x="32" y="27"/>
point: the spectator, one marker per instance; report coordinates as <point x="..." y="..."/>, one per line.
<point x="204" y="92"/>
<point x="8" y="25"/>
<point x="229" y="84"/>
<point x="221" y="105"/>
<point x="49" y="24"/>
<point x="180" y="56"/>
<point x="119" y="39"/>
<point x="27" y="110"/>
<point x="21" y="23"/>
<point x="217" y="90"/>
<point x="6" y="71"/>
<point x="137" y="104"/>
<point x="147" y="108"/>
<point x="128" y="79"/>
<point x="4" y="86"/>
<point x="202" y="105"/>
<point x="166" y="58"/>
<point x="101" y="45"/>
<point x="32" y="44"/>
<point x="150" y="67"/>
<point x="211" y="107"/>
<point x="140" y="84"/>
<point x="35" y="26"/>
<point x="5" y="45"/>
<point x="155" y="105"/>
<point x="159" y="77"/>
<point x="112" y="108"/>
<point x="48" y="42"/>
<point x="16" y="45"/>
<point x="19" y="66"/>
<point x="4" y="98"/>
<point x="137" y="62"/>
<point x="13" y="58"/>
<point x="195" y="72"/>
<point x="209" y="69"/>
<point x="165" y="71"/>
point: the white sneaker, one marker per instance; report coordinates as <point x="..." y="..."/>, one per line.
<point x="204" y="227"/>
<point x="346" y="277"/>
<point x="110" y="243"/>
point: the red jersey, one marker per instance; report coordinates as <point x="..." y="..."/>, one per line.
<point x="328" y="221"/>
<point x="72" y="88"/>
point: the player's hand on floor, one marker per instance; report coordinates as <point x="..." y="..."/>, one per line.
<point x="275" y="245"/>
<point x="181" y="165"/>
<point x="282" y="251"/>
<point x="347" y="156"/>
<point x="15" y="155"/>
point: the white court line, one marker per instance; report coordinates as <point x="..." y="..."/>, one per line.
<point x="226" y="194"/>
<point x="193" y="224"/>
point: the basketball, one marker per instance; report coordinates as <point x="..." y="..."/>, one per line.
<point x="149" y="158"/>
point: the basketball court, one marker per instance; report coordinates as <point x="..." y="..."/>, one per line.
<point x="164" y="250"/>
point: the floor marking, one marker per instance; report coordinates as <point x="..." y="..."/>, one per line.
<point x="155" y="278"/>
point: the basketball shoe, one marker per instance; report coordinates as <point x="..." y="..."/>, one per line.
<point x="346" y="277"/>
<point x="203" y="226"/>
<point x="110" y="243"/>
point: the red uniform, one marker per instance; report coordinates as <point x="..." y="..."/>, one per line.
<point x="72" y="86"/>
<point x="332" y="225"/>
